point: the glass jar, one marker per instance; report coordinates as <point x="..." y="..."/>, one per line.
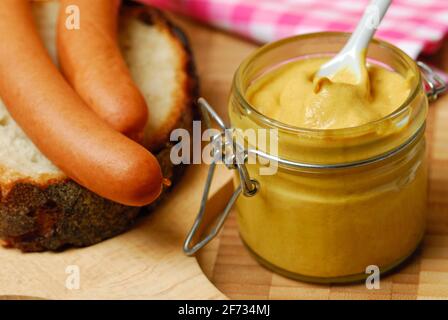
<point x="342" y="199"/>
<point x="339" y="200"/>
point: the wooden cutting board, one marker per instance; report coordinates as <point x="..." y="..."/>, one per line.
<point x="148" y="263"/>
<point x="145" y="263"/>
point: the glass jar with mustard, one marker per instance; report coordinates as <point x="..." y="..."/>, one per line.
<point x="350" y="186"/>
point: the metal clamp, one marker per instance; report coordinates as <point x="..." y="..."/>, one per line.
<point x="435" y="84"/>
<point x="235" y="161"/>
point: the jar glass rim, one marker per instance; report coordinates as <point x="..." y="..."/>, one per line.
<point x="415" y="89"/>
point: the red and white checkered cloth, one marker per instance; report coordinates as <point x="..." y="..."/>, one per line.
<point x="415" y="26"/>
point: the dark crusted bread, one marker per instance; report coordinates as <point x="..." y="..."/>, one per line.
<point x="40" y="208"/>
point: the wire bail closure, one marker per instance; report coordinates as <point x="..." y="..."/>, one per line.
<point x="435" y="84"/>
<point x="223" y="143"/>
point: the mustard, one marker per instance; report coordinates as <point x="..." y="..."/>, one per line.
<point x="287" y="95"/>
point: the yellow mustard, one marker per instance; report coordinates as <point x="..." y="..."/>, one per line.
<point x="287" y="95"/>
<point x="355" y="193"/>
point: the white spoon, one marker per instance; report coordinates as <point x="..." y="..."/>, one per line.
<point x="352" y="57"/>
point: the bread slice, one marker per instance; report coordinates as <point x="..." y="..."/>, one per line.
<point x="42" y="209"/>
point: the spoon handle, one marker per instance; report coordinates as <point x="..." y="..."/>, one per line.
<point x="367" y="26"/>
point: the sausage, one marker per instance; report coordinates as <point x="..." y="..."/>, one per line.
<point x="91" y="61"/>
<point x="59" y="122"/>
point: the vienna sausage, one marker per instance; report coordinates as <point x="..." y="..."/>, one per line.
<point x="61" y="125"/>
<point x="91" y="61"/>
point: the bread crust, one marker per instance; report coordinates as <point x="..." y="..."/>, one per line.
<point x="51" y="213"/>
<point x="36" y="217"/>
